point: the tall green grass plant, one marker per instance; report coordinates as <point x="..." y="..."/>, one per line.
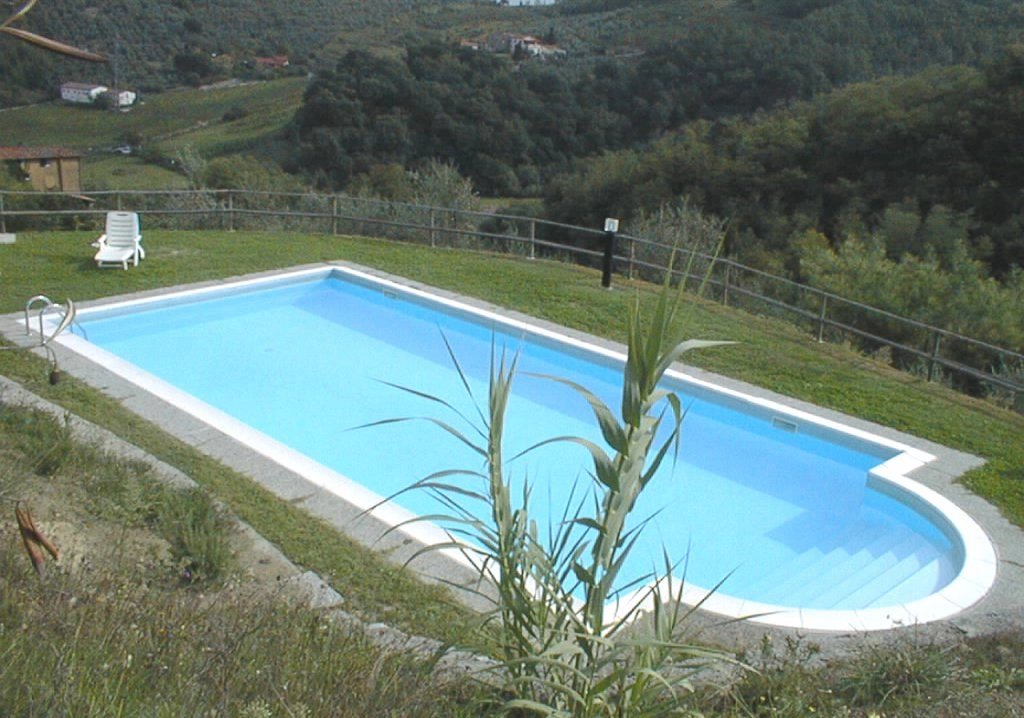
<point x="562" y="651"/>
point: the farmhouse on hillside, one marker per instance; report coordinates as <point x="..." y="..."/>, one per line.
<point x="56" y="169"/>
<point x="523" y="3"/>
<point x="83" y="93"/>
<point x="120" y="98"/>
<point x="519" y="45"/>
<point x="273" y="62"/>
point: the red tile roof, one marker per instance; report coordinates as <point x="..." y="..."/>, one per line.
<point x="273" y="61"/>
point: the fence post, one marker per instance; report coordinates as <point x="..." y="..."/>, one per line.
<point x="231" y="211"/>
<point x="117" y="201"/>
<point x="533" y="239"/>
<point x="936" y="343"/>
<point x="334" y="215"/>
<point x="725" y="284"/>
<point x="821" y="317"/>
<point x="3" y="216"/>
<point x="433" y="236"/>
<point x="632" y="258"/>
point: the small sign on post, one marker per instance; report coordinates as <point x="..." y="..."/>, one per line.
<point x="611" y="226"/>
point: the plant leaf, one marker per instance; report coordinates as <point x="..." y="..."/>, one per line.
<point x="611" y="430"/>
<point x="52" y="45"/>
<point x="19" y="13"/>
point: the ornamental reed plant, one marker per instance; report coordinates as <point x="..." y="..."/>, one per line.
<point x="560" y="650"/>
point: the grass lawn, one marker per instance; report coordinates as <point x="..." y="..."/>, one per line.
<point x="111" y="172"/>
<point x="159" y="607"/>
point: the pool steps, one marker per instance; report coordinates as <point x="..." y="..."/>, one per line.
<point x="911" y="568"/>
<point x="808" y="565"/>
<point x="863" y="570"/>
<point x="849" y="570"/>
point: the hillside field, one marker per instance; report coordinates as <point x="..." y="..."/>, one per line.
<point x="163" y="123"/>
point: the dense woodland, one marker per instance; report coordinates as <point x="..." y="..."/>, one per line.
<point x="511" y="126"/>
<point x="843" y="163"/>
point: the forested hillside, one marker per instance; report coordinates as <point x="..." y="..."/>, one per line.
<point x="511" y="126"/>
<point x="839" y="164"/>
<point x="744" y="51"/>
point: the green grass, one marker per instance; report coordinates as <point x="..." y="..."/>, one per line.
<point x="111" y="629"/>
<point x="269" y="107"/>
<point x="121" y="492"/>
<point x="110" y="172"/>
<point x="907" y="677"/>
<point x="772" y="354"/>
<point x="127" y="650"/>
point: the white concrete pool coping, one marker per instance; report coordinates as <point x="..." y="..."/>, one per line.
<point x="918" y="464"/>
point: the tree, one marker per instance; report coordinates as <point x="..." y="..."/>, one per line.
<point x="191" y="163"/>
<point x="676" y="226"/>
<point x="193" y="66"/>
<point x="246" y="172"/>
<point x="439" y="184"/>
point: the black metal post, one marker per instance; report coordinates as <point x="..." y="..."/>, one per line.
<point x="606" y="265"/>
<point x="936" y="343"/>
<point x="821" y="317"/>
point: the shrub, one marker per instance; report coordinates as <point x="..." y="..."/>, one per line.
<point x="197" y="531"/>
<point x="905" y="672"/>
<point x="235" y="112"/>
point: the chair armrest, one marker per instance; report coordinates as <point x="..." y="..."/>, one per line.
<point x="101" y="242"/>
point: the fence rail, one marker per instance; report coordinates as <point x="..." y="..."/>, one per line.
<point x="935" y="353"/>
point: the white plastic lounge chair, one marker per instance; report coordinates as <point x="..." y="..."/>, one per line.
<point x="121" y="242"/>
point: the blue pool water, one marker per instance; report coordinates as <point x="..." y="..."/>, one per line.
<point x="782" y="512"/>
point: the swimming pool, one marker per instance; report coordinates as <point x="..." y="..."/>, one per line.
<point x="807" y="521"/>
